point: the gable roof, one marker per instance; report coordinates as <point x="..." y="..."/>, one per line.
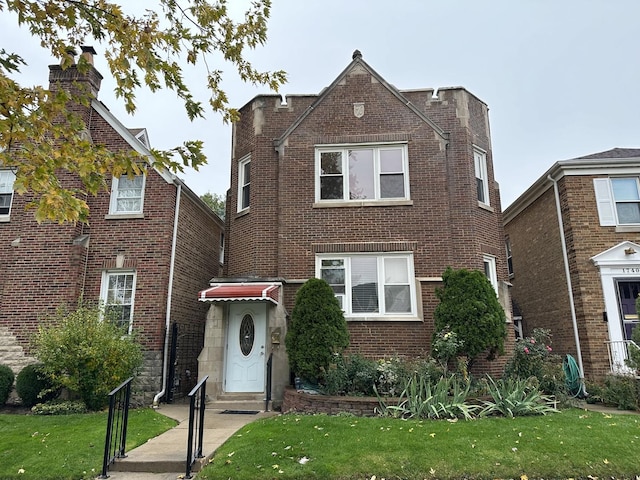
<point x="358" y="62"/>
<point x="613" y="153"/>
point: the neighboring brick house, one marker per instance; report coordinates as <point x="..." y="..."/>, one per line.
<point x="597" y="199"/>
<point x="374" y="189"/>
<point x="148" y="247"/>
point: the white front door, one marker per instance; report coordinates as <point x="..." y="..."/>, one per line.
<point x="245" y="362"/>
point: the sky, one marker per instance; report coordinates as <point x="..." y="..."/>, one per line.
<point x="561" y="77"/>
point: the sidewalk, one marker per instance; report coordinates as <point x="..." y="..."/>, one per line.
<point x="164" y="457"/>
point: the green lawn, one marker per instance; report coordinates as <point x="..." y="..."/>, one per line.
<point x="571" y="444"/>
<point x="34" y="447"/>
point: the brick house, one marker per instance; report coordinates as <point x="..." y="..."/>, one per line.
<point x="596" y="200"/>
<point x="149" y="246"/>
<point x="419" y="196"/>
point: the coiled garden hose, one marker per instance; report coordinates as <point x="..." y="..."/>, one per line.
<point x="572" y="376"/>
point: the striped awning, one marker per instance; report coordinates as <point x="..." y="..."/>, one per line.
<point x="225" y="292"/>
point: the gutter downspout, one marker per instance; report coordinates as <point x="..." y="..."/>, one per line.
<point x="156" y="399"/>
<point x="569" y="285"/>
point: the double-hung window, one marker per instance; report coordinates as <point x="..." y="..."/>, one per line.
<point x="118" y="292"/>
<point x="127" y="195"/>
<point x="490" y="270"/>
<point x="618" y="200"/>
<point x="357" y="173"/>
<point x="482" y="179"/>
<point x="7" y="177"/>
<point x="371" y="285"/>
<point x="244" y="183"/>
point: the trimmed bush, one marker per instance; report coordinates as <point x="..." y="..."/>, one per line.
<point x="58" y="407"/>
<point x="470" y="308"/>
<point x="87" y="353"/>
<point x="353" y="375"/>
<point x="6" y="382"/>
<point x="34" y="386"/>
<point x="317" y="332"/>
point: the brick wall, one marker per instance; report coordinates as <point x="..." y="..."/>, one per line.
<point x="282" y="231"/>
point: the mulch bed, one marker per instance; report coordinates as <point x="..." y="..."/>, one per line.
<point x="14" y="410"/>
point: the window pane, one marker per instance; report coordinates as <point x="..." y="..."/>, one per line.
<point x="625" y="189"/>
<point x="245" y="196"/>
<point x="361" y="174"/>
<point x="5" y="203"/>
<point x="7" y="178"/>
<point x="392" y="186"/>
<point x="331" y="163"/>
<point x="397" y="299"/>
<point x="364" y="284"/>
<point x="480" y="188"/>
<point x="246" y="173"/>
<point x="628" y="212"/>
<point x="331" y="188"/>
<point x="391" y="160"/>
<point x="395" y="270"/>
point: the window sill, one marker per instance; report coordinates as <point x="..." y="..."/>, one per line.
<point x="362" y="203"/>
<point x="486" y="207"/>
<point x="389" y="318"/>
<point x="627" y="228"/>
<point x="242" y="213"/>
<point x="5" y="218"/>
<point x="123" y="216"/>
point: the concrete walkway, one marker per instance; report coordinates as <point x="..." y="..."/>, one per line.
<point x="164" y="457"/>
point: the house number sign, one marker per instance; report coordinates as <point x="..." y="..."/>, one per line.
<point x="631" y="270"/>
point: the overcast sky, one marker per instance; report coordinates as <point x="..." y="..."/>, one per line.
<point x="561" y="77"/>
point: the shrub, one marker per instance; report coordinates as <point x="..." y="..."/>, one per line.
<point x="445" y="346"/>
<point x="6" y="383"/>
<point x="87" y="353"/>
<point x="317" y="331"/>
<point x="34" y="386"/>
<point x="533" y="358"/>
<point x="353" y="375"/>
<point x="393" y="375"/>
<point x="58" y="407"/>
<point x="620" y="391"/>
<point x="469" y="307"/>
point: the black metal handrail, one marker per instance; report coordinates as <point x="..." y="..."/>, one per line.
<point x="117" y="421"/>
<point x="269" y="382"/>
<point x="196" y="424"/>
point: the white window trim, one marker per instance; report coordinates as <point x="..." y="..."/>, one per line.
<point x="606" y="202"/>
<point x="113" y="203"/>
<point x="493" y="271"/>
<point x="344" y="148"/>
<point x="241" y="182"/>
<point x="507" y="246"/>
<point x="392" y="316"/>
<point x="5" y="217"/>
<point x="104" y="287"/>
<point x="481" y="172"/>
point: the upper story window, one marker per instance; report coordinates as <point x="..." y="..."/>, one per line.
<point x="371" y="285"/>
<point x="359" y="173"/>
<point x="221" y="246"/>
<point x="482" y="178"/>
<point x="509" y="256"/>
<point x="127" y="195"/>
<point x="117" y="295"/>
<point x="618" y="200"/>
<point x="7" y="177"/>
<point x="490" y="270"/>
<point x="244" y="183"/>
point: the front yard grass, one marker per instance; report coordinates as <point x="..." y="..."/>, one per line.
<point x="572" y="444"/>
<point x="60" y="447"/>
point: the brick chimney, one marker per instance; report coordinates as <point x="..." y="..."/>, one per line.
<point x="65" y="78"/>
